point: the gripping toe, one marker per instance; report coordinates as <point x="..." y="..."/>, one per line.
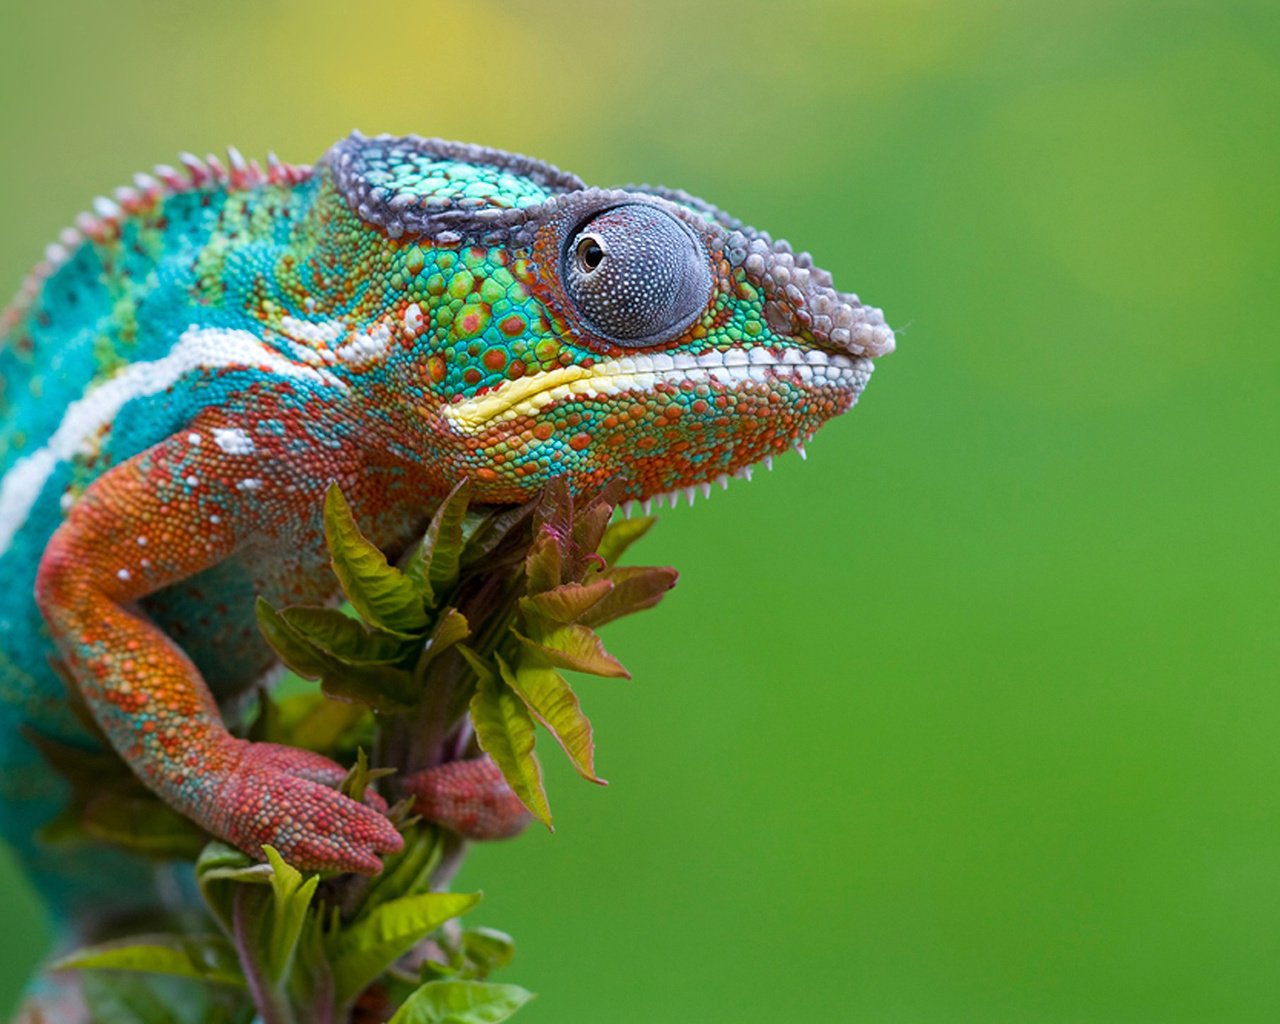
<point x="470" y="798"/>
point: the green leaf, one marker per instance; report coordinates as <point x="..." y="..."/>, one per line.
<point x="461" y="1002"/>
<point x="207" y="958"/>
<point x="389" y="691"/>
<point x="142" y="825"/>
<point x="343" y="637"/>
<point x="487" y="950"/>
<point x="505" y="732"/>
<point x="298" y="653"/>
<point x="482" y="668"/>
<point x="291" y="897"/>
<point x="252" y="914"/>
<point x="380" y="593"/>
<point x="407" y="873"/>
<point x="543" y="563"/>
<point x="379" y="939"/>
<point x="635" y="587"/>
<point x="219" y="861"/>
<point x="553" y="702"/>
<point x="442" y="546"/>
<point x="401" y="815"/>
<point x="220" y="871"/>
<point x="310" y="983"/>
<point x="125" y="997"/>
<point x="450" y="628"/>
<point x="381" y="687"/>
<point x="621" y="535"/>
<point x="577" y="648"/>
<point x="566" y="603"/>
<point x="360" y="776"/>
<point x="316" y="722"/>
<point x="435" y="970"/>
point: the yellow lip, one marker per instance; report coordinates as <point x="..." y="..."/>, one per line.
<point x="473" y="414"/>
<point x="528" y="395"/>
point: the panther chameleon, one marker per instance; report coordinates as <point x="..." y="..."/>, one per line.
<point x="201" y="356"/>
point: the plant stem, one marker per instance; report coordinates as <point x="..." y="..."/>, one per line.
<point x="455" y="849"/>
<point x="272" y="1006"/>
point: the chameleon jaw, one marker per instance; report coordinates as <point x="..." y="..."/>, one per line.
<point x="732" y="368"/>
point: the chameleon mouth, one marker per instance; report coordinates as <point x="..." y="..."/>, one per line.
<point x="813" y="368"/>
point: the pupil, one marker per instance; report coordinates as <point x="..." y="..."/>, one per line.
<point x="590" y="254"/>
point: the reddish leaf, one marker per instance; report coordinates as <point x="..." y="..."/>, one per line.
<point x="543" y="564"/>
<point x="577" y="648"/>
<point x="589" y="526"/>
<point x="555" y="508"/>
<point x="635" y="587"/>
<point x="566" y="602"/>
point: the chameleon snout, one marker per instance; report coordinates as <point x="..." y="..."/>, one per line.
<point x="801" y="301"/>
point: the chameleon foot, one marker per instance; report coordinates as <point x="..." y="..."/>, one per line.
<point x="287" y="798"/>
<point x="470" y="798"/>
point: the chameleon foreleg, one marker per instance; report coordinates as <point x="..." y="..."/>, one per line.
<point x="160" y="517"/>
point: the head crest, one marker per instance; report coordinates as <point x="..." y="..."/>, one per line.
<point x="438" y="189"/>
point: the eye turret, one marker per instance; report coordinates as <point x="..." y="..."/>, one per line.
<point x="636" y="275"/>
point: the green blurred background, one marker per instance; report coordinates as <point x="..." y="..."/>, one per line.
<point x="974" y="716"/>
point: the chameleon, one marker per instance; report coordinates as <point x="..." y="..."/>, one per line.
<point x="202" y="355"/>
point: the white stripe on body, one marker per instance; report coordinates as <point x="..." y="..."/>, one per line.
<point x="199" y="348"/>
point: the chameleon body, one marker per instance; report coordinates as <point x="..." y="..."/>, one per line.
<point x="201" y="356"/>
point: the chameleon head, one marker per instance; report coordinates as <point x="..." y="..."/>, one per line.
<point x="636" y="334"/>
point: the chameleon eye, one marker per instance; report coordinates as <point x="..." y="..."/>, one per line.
<point x="636" y="275"/>
<point x="590" y="253"/>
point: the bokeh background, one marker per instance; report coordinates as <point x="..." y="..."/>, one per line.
<point x="974" y="716"/>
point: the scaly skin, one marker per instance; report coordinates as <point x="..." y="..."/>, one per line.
<point x="194" y="364"/>
<point x="469" y="797"/>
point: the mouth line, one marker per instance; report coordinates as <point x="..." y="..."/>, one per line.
<point x="512" y="399"/>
